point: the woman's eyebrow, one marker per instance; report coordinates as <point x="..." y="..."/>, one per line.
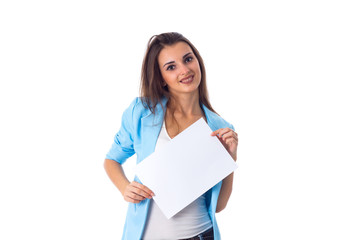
<point x="174" y="61"/>
<point x="169" y="63"/>
<point x="187" y="54"/>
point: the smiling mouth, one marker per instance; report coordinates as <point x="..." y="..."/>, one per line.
<point x="188" y="80"/>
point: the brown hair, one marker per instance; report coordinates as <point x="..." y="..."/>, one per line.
<point x="152" y="89"/>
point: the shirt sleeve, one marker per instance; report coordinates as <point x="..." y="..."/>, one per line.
<point x="123" y="145"/>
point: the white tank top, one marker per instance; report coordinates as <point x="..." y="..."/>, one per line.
<point x="191" y="221"/>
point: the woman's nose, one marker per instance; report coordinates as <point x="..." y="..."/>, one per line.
<point x="184" y="69"/>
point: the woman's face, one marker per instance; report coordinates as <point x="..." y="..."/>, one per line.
<point x="180" y="69"/>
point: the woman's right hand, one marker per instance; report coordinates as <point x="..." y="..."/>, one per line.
<point x="136" y="192"/>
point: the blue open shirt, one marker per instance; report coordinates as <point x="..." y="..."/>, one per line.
<point x="138" y="134"/>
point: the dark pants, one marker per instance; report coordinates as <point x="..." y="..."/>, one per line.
<point x="207" y="235"/>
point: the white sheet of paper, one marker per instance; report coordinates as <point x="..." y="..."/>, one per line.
<point x="185" y="168"/>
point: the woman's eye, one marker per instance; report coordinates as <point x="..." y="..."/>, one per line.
<point x="188" y="59"/>
<point x="171" y="67"/>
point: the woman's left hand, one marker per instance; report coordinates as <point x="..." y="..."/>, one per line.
<point x="229" y="139"/>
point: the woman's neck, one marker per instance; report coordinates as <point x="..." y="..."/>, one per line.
<point x="185" y="105"/>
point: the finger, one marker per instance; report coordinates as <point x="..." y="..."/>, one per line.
<point x="143" y="188"/>
<point x="131" y="191"/>
<point x="220" y="131"/>
<point x="127" y="199"/>
<point x="140" y="192"/>
<point x="214" y="133"/>
<point x="228" y="135"/>
<point x="135" y="196"/>
<point x="224" y="131"/>
<point x="230" y="141"/>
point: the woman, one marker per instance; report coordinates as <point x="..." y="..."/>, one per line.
<point x="173" y="96"/>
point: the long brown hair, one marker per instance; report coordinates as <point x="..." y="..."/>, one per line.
<point x="151" y="88"/>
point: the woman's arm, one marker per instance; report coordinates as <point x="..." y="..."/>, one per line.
<point x="230" y="141"/>
<point x="225" y="192"/>
<point x="133" y="192"/>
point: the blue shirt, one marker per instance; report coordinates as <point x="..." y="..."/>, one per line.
<point x="138" y="134"/>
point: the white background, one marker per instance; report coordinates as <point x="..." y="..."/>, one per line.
<point x="284" y="73"/>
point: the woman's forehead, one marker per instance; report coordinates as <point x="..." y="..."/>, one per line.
<point x="174" y="52"/>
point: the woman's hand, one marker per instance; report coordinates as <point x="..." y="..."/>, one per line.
<point x="229" y="140"/>
<point x="136" y="192"/>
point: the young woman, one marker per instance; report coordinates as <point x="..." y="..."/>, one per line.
<point x="173" y="96"/>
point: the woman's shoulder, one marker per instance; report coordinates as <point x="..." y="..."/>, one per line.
<point x="137" y="108"/>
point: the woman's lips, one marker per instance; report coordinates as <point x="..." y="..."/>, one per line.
<point x="187" y="80"/>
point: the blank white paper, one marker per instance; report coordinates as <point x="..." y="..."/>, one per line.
<point x="185" y="168"/>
